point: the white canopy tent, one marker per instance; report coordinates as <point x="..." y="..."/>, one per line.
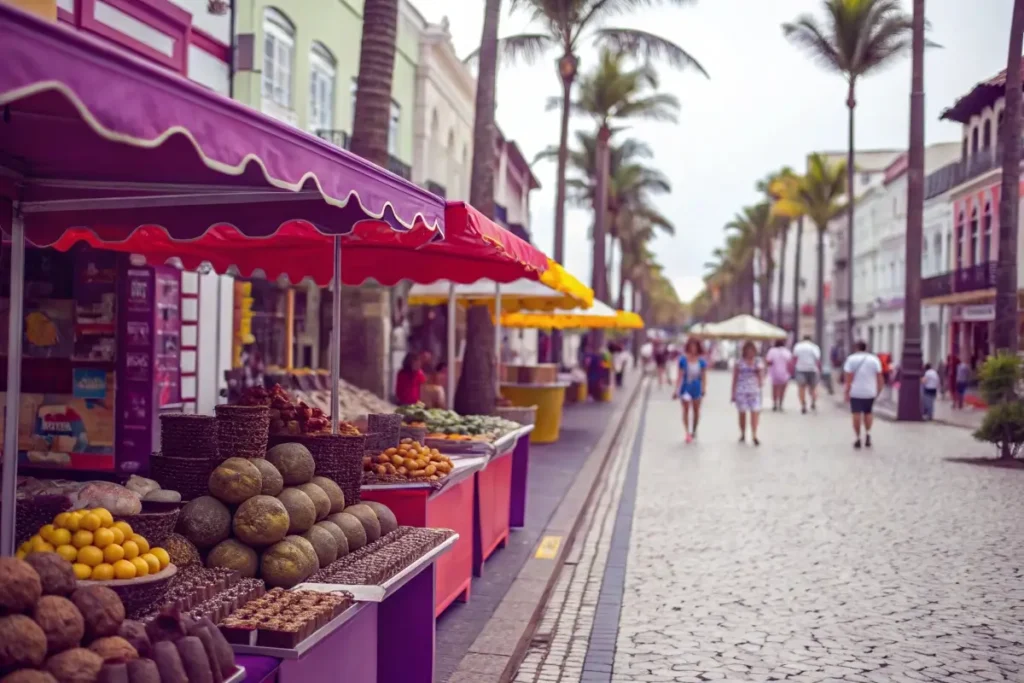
<point x="743" y="327"/>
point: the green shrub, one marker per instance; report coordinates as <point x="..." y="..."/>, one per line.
<point x="999" y="378"/>
<point x="1003" y="426"/>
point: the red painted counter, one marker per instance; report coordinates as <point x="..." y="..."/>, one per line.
<point x="491" y="518"/>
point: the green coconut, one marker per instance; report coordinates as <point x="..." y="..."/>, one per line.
<point x="235" y="480"/>
<point x="273" y="483"/>
<point x="387" y="519"/>
<point x="301" y="511"/>
<point x="333" y="492"/>
<point x="261" y="521"/>
<point x="205" y="521"/>
<point x="368" y="518"/>
<point x="353" y="529"/>
<point x="321" y="501"/>
<point x="324" y="543"/>
<point x="233" y="554"/>
<point x="293" y="461"/>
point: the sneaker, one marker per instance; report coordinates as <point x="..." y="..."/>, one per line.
<point x="856" y="444"/>
<point x="867" y="441"/>
<point x="756" y="442"/>
<point x="743" y="438"/>
<point x="689" y="438"/>
<point x="803" y="410"/>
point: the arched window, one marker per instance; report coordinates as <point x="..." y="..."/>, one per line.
<point x="974" y="140"/>
<point x="959" y="245"/>
<point x="963" y="150"/>
<point x="999" y="126"/>
<point x="322" y="76"/>
<point x="394" y="119"/>
<point x="975" y="242"/>
<point x="939" y="265"/>
<point x="278" y="57"/>
<point x="986" y="241"/>
<point x="986" y="135"/>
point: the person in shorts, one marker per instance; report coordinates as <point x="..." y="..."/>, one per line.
<point x="863" y="381"/>
<point x="779" y="360"/>
<point x="930" y="383"/>
<point x="807" y="368"/>
<point x="747" y="378"/>
<point x="691" y="384"/>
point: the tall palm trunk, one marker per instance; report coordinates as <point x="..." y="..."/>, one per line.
<point x="600" y="274"/>
<point x="363" y="338"/>
<point x="819" y="305"/>
<point x="567" y="68"/>
<point x="477" y="389"/>
<point x="1006" y="270"/>
<point x="851" y="200"/>
<point x="620" y="302"/>
<point x="910" y="360"/>
<point x="766" y="282"/>
<point x="796" y="277"/>
<point x="782" y="274"/>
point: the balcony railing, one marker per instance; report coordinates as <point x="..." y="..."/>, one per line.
<point x="338" y="138"/>
<point x="399" y="167"/>
<point x="437" y="189"/>
<point x="974" y="278"/>
<point x="959" y="172"/>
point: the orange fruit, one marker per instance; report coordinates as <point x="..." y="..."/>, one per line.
<point x="125" y="528"/>
<point x="82" y="571"/>
<point x="41" y="546"/>
<point x="61" y="520"/>
<point x="90" y="522"/>
<point x="141" y="542"/>
<point x="123" y="569"/>
<point x="71" y="523"/>
<point x="161" y="554"/>
<point x="112" y="553"/>
<point x="141" y="566"/>
<point x="131" y="550"/>
<point x="60" y="537"/>
<point x="101" y="538"/>
<point x="118" y="535"/>
<point x="152" y="561"/>
<point x="102" y="572"/>
<point x="81" y="538"/>
<point x="68" y="552"/>
<point x="90" y="556"/>
<point x="46" y="531"/>
<point x="106" y="519"/>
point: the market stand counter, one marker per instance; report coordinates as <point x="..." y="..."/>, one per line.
<point x="451" y="507"/>
<point x="500" y="490"/>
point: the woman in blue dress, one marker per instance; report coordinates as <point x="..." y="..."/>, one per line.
<point x="690" y="387"/>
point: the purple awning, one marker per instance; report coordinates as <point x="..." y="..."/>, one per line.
<point x="94" y="137"/>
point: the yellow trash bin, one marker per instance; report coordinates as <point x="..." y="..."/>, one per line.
<point x="548" y="398"/>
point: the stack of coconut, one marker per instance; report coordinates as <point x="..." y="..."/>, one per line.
<point x="275" y="519"/>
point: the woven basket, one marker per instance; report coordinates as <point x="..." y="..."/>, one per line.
<point x="190" y="478"/>
<point x="387" y="427"/>
<point x="337" y="457"/>
<point x="242" y="431"/>
<point x="155" y="527"/>
<point x="32" y="513"/>
<point x="138" y="593"/>
<point x="187" y="436"/>
<point x="524" y="415"/>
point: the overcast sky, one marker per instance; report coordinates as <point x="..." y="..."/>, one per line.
<point x="765" y="105"/>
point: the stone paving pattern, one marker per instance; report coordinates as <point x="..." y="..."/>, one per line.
<point x="805" y="560"/>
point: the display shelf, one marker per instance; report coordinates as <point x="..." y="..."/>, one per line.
<point x="463" y="467"/>
<point x="508" y="442"/>
<point x="300" y="650"/>
<point x="365" y="593"/>
<point x="236" y="677"/>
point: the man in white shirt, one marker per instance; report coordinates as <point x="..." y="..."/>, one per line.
<point x="930" y="384"/>
<point x="808" y="365"/>
<point x="863" y="381"/>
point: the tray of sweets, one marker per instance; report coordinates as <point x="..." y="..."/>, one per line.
<point x="276" y="634"/>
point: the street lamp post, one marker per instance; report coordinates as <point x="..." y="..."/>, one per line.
<point x="910" y="378"/>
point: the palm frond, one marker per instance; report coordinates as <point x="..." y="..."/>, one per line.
<point x="647" y="47"/>
<point x="524" y="47"/>
<point x="805" y="33"/>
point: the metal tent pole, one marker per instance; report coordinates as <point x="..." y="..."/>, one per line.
<point x="451" y="346"/>
<point x="15" y="324"/>
<point x="497" y="338"/>
<point x="335" y="335"/>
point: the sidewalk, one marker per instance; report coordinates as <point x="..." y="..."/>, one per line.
<point x="968" y="418"/>
<point x="554" y="469"/>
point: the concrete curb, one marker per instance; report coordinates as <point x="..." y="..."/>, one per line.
<point x="500" y="647"/>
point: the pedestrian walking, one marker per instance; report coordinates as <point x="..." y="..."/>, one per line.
<point x="660" y="361"/>
<point x="780" y="360"/>
<point x="808" y="367"/>
<point x="863" y="383"/>
<point x="690" y="386"/>
<point x="620" y="359"/>
<point x="747" y="378"/>
<point x="963" y="376"/>
<point x="929" y="391"/>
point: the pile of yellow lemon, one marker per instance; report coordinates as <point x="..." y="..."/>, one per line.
<point x="98" y="548"/>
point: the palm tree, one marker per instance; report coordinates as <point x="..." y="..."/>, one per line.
<point x="567" y="24"/>
<point x="786" y="191"/>
<point x="771" y="187"/>
<point x="758" y="228"/>
<point x="820" y="197"/>
<point x="477" y="386"/>
<point x="856" y="39"/>
<point x="361" y="362"/>
<point x="1006" y="270"/>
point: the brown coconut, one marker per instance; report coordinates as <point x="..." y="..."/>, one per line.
<point x="284" y="565"/>
<point x="387" y="519"/>
<point x="301" y="510"/>
<point x="55" y="573"/>
<point x="205" y="521"/>
<point x="273" y="482"/>
<point x="61" y="622"/>
<point x="78" y="665"/>
<point x="114" y="649"/>
<point x="183" y="552"/>
<point x="293" y="461"/>
<point x="22" y="643"/>
<point x="261" y="521"/>
<point x="233" y="554"/>
<point x="28" y="676"/>
<point x="20" y="586"/>
<point x="312" y="561"/>
<point x="352" y="528"/>
<point x="235" y="480"/>
<point x="321" y="502"/>
<point x="339" y="536"/>
<point x="368" y="518"/>
<point x="333" y="492"/>
<point x="101" y="609"/>
<point x="324" y="543"/>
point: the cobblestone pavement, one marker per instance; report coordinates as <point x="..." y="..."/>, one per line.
<point x="804" y="560"/>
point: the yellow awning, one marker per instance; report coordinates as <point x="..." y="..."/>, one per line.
<point x="599" y="316"/>
<point x="559" y="279"/>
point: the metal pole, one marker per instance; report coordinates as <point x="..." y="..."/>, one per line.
<point x="335" y="334"/>
<point x="497" y="338"/>
<point x="451" y="346"/>
<point x="15" y="324"/>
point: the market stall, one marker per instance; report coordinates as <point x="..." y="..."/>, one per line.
<point x="541" y="385"/>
